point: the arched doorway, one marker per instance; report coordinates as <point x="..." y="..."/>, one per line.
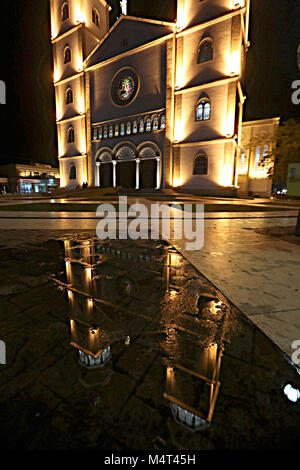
<point x="126" y="165"/>
<point x="149" y="155"/>
<point x="106" y="175"/>
<point x="104" y="169"/>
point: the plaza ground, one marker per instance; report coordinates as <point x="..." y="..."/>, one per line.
<point x="49" y="402"/>
<point x="250" y="253"/>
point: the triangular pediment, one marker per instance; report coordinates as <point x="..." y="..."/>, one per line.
<point x="125" y="35"/>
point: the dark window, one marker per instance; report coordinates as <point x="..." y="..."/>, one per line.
<point x="69" y="96"/>
<point x="203" y="110"/>
<point x="206" y="51"/>
<point x="71" y="135"/>
<point x="95" y="17"/>
<point x="73" y="172"/>
<point x="65" y="12"/>
<point x="200" y="165"/>
<point x="67" y="55"/>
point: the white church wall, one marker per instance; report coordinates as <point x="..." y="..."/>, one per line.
<point x="196" y="74"/>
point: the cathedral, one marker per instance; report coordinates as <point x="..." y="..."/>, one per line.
<point x="154" y="104"/>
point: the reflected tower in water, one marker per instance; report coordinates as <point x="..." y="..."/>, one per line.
<point x="124" y="293"/>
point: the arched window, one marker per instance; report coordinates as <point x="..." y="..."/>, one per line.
<point x="201" y="165"/>
<point x="162" y="121"/>
<point x="95" y="17"/>
<point x="155" y="123"/>
<point x="65" y="12"/>
<point x="105" y="132"/>
<point x="95" y="133"/>
<point x="117" y="130"/>
<point x="122" y="129"/>
<point x="72" y="172"/>
<point x="203" y="109"/>
<point x="134" y="127"/>
<point x="99" y="132"/>
<point x="257" y="157"/>
<point x="141" y="125"/>
<point x="243" y="160"/>
<point x="71" y="135"/>
<point x="148" y="124"/>
<point x="69" y="96"/>
<point x="128" y="128"/>
<point x="67" y="54"/>
<point x="206" y="50"/>
<point x="111" y="131"/>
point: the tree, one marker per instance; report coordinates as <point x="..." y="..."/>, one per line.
<point x="263" y="141"/>
<point x="287" y="149"/>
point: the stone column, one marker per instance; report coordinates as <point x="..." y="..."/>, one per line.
<point x="137" y="173"/>
<point x="157" y="173"/>
<point x="114" y="162"/>
<point x="97" y="179"/>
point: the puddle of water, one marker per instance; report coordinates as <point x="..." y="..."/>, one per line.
<point x="134" y="348"/>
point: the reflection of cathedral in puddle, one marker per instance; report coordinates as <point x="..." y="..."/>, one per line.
<point x="109" y="286"/>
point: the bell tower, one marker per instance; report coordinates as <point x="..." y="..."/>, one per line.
<point x="211" y="45"/>
<point x="76" y="28"/>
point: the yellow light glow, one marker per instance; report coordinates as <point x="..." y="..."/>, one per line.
<point x="63" y="179"/>
<point x="79" y="63"/>
<point x="59" y="142"/>
<point x="177" y="182"/>
<point x="68" y="269"/>
<point x="226" y="176"/>
<point x="234" y="63"/>
<point x="229" y="119"/>
<point x="238" y="3"/>
<point x="53" y="30"/>
<point x="229" y="126"/>
<point x="178" y="131"/>
<point x="83" y="142"/>
<point x="259" y="173"/>
<point x="81" y="107"/>
<point x="56" y="74"/>
<point x="79" y="15"/>
<point x="179" y="75"/>
<point x="58" y="112"/>
<point x="174" y="260"/>
<point x="181" y="21"/>
<point x="170" y="379"/>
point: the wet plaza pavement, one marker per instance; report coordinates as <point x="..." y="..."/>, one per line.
<point x="126" y="345"/>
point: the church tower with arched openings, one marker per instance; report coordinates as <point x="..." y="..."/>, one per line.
<point x="151" y="104"/>
<point x="208" y="64"/>
<point x="77" y="26"/>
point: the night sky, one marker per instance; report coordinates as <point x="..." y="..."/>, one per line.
<point x="30" y="113"/>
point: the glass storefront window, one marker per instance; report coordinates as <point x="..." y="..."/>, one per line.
<point x="25" y="188"/>
<point x="39" y="188"/>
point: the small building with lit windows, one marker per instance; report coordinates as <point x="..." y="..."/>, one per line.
<point x="26" y="179"/>
<point x="147" y="103"/>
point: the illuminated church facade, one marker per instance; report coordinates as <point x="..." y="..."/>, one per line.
<point x="153" y="104"/>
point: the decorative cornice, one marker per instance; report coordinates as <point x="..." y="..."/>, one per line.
<point x="222" y="81"/>
<point x="212" y="22"/>
<point x="73" y="118"/>
<point x="221" y="140"/>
